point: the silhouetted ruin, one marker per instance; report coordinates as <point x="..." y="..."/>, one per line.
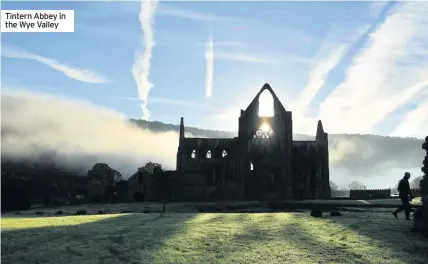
<point x="102" y="180"/>
<point x="262" y="163"/>
<point x="421" y="214"/>
<point x="26" y="183"/>
<point x="143" y="186"/>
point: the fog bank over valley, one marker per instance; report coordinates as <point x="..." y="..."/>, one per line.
<point x="75" y="135"/>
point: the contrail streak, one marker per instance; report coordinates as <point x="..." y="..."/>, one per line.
<point x="209" y="55"/>
<point x="141" y="67"/>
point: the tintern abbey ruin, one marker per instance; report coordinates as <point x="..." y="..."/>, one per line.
<point x="263" y="162"/>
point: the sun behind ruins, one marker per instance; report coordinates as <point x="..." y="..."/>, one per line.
<point x="263" y="162"/>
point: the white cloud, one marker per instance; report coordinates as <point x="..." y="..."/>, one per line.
<point x="319" y="74"/>
<point x="79" y="133"/>
<point x="245" y="57"/>
<point x="79" y="74"/>
<point x="222" y="119"/>
<point x="202" y="44"/>
<point x="169" y="101"/>
<point x="332" y="50"/>
<point x="226" y="114"/>
<point x="126" y="98"/>
<point x="223" y="43"/>
<point x="161" y="100"/>
<point x="141" y="67"/>
<point x="209" y="77"/>
<point x="111" y="8"/>
<point x="304" y="124"/>
<point x="251" y="57"/>
<point x="376" y="7"/>
<point x="388" y="73"/>
<point x="171" y="10"/>
<point x="415" y="123"/>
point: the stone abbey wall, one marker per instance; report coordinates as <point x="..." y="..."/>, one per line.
<point x="263" y="161"/>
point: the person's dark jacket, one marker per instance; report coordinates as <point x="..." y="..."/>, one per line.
<point x="404" y="188"/>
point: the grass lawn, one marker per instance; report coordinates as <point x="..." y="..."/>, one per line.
<point x="367" y="237"/>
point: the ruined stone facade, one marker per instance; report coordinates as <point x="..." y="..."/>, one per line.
<point x="100" y="177"/>
<point x="421" y="215"/>
<point x="263" y="162"/>
<point x="142" y="186"/>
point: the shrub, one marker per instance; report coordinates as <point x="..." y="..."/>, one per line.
<point x="81" y="212"/>
<point x="316" y="213"/>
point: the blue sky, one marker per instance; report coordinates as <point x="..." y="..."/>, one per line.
<point x="360" y="67"/>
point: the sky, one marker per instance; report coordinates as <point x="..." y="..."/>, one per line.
<point x="360" y="67"/>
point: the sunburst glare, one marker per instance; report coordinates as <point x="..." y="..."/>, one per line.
<point x="266" y="104"/>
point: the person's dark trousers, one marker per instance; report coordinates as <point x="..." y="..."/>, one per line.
<point x="405" y="206"/>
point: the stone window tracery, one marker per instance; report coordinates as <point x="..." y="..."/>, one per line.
<point x="263" y="135"/>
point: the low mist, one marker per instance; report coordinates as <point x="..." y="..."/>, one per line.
<point x="76" y="134"/>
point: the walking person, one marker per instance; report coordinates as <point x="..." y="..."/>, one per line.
<point x="405" y="196"/>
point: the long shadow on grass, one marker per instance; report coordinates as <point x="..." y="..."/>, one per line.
<point x="116" y="239"/>
<point x="382" y="228"/>
<point x="371" y="237"/>
<point x="248" y="238"/>
<point x="200" y="238"/>
<point x="253" y="240"/>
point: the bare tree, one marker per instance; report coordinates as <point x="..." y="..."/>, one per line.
<point x="150" y="166"/>
<point x="356" y="185"/>
<point x="415" y="183"/>
<point x="333" y="185"/>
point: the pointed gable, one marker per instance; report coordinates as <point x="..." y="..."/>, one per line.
<point x="266" y="86"/>
<point x="320" y="129"/>
<point x="320" y="135"/>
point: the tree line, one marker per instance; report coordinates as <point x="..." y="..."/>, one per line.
<point x="357" y="185"/>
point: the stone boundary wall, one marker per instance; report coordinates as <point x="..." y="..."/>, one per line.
<point x="370" y="194"/>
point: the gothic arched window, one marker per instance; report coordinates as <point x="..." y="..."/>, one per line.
<point x="266" y="107"/>
<point x="224" y="154"/>
<point x="193" y="155"/>
<point x="251" y="166"/>
<point x="208" y="156"/>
